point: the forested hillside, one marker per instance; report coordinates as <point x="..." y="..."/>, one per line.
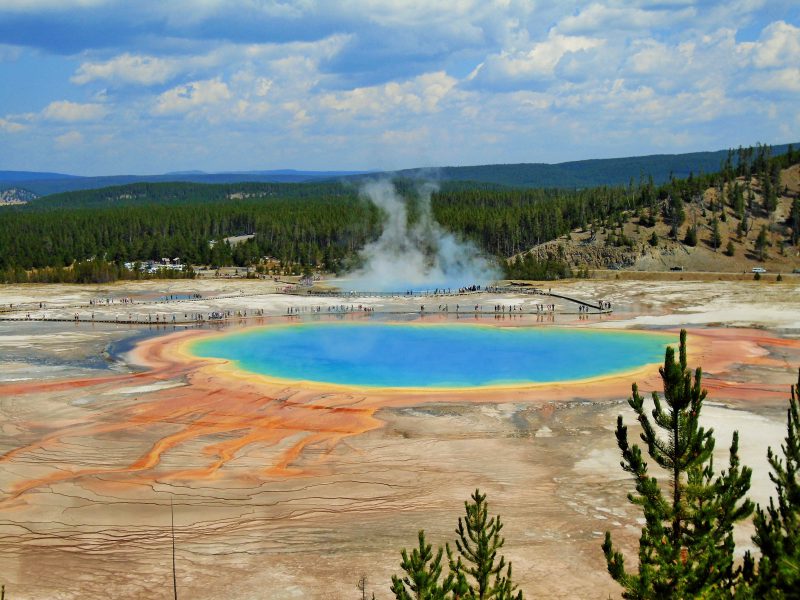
<point x="743" y="217"/>
<point x="314" y="231"/>
<point x="176" y="193"/>
<point x="55" y="183"/>
<point x="568" y="175"/>
<point x="591" y="173"/>
<point x="309" y="231"/>
<point x="322" y="225"/>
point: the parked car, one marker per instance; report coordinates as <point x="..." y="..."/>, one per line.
<point x="759" y="270"/>
<point x="676" y="268"/>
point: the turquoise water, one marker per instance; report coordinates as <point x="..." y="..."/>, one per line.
<point x="402" y="355"/>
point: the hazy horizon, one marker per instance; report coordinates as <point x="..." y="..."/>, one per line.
<point x="279" y="169"/>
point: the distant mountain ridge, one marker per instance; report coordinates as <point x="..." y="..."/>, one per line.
<point x="572" y="175"/>
<point x="17" y="176"/>
<point x="45" y="184"/>
<point x="586" y="173"/>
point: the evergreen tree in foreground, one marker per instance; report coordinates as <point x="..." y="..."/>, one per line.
<point x="778" y="526"/>
<point x="423" y="571"/>
<point x="686" y="546"/>
<point x="480" y="575"/>
<point x="476" y="572"/>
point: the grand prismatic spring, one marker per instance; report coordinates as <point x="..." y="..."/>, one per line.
<point x="302" y="452"/>
<point x="430" y="356"/>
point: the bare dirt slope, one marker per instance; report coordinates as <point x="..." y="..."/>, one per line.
<point x="586" y="249"/>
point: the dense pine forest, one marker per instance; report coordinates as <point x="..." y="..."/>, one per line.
<point x="323" y="225"/>
<point x="590" y="173"/>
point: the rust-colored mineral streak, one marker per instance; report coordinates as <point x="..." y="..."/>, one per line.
<point x="220" y="413"/>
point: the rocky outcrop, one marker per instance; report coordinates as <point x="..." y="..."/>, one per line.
<point x="16" y="196"/>
<point x="589" y="255"/>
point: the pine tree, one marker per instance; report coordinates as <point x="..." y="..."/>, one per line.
<point x="737" y="199"/>
<point x="691" y="236"/>
<point x="762" y="243"/>
<point x="480" y="575"/>
<point x="716" y="237"/>
<point x="686" y="546"/>
<point x="743" y="228"/>
<point x="423" y="571"/>
<point x="778" y="526"/>
<point x="794" y="220"/>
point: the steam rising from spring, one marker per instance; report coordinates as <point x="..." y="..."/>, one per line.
<point x="422" y="256"/>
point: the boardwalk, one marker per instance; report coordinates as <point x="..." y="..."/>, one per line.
<point x="373" y="294"/>
<point x="540" y="292"/>
<point x="169" y="310"/>
<point x="581" y="302"/>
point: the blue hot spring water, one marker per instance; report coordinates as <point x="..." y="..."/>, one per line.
<point x="419" y="356"/>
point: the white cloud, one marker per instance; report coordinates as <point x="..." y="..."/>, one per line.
<point x="537" y="62"/>
<point x="778" y="80"/>
<point x="245" y="110"/>
<point x="458" y="23"/>
<point x="696" y="62"/>
<point x="40" y="5"/>
<point x="419" y="95"/>
<point x="69" y="139"/>
<point x="11" y="126"/>
<point x="298" y="113"/>
<point x="148" y="70"/>
<point x="127" y="68"/>
<point x="599" y="17"/>
<point x="70" y="112"/>
<point x="779" y="46"/>
<point x="192" y="96"/>
<point x="262" y="86"/>
<point x="653" y="57"/>
<point x="409" y="13"/>
<point x="635" y="106"/>
<point x="406" y="136"/>
<point x="384" y="81"/>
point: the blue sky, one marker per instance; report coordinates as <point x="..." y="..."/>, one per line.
<point x="147" y="86"/>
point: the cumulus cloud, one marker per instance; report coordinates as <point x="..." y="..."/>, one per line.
<point x="419" y="95"/>
<point x="191" y="97"/>
<point x="71" y="112"/>
<point x="69" y="139"/>
<point x="414" y="136"/>
<point x="682" y="108"/>
<point x="652" y="57"/>
<point x="778" y="46"/>
<point x="298" y="115"/>
<point x="377" y="83"/>
<point x="46" y="5"/>
<point x="778" y="80"/>
<point x="603" y="17"/>
<point x="11" y="126"/>
<point x="127" y="68"/>
<point x="148" y="70"/>
<point x="537" y="62"/>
